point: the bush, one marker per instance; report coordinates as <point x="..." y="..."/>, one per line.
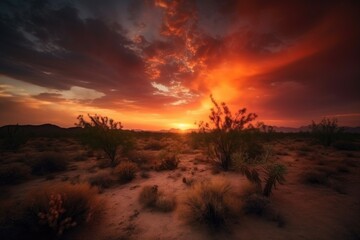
<point x="325" y="131"/>
<point x="153" y="144"/>
<point x="211" y="204"/>
<point x="126" y="171"/>
<point x="103" y="180"/>
<point x="224" y="132"/>
<point x="14" y="137"/>
<point x="106" y="134"/>
<point x="49" y="162"/>
<point x="14" y="173"/>
<point x="151" y="197"/>
<point x="51" y="212"/>
<point x="169" y="161"/>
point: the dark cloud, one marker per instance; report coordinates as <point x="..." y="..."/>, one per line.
<point x="301" y="57"/>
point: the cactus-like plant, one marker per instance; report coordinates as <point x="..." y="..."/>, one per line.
<point x="274" y="174"/>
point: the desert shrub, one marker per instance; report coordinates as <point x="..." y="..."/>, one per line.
<point x="14" y="173"/>
<point x="126" y="171"/>
<point x="151" y="197"/>
<point x="211" y="204"/>
<point x="14" y="137"/>
<point x="168" y="161"/>
<point x="256" y="204"/>
<point x="326" y="131"/>
<point x="153" y="144"/>
<point x="346" y="145"/>
<point x="52" y="212"/>
<point x="165" y="203"/>
<point x="106" y="134"/>
<point x="224" y="132"/>
<point x="274" y="174"/>
<point x="49" y="162"/>
<point x="101" y="180"/>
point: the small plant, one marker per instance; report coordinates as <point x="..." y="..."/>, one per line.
<point x="326" y="131"/>
<point x="224" y="132"/>
<point x="154" y="144"/>
<point x="211" y="204"/>
<point x="14" y="137"/>
<point x="151" y="197"/>
<point x="274" y="174"/>
<point x="169" y="161"/>
<point x="103" y="180"/>
<point x="49" y="162"/>
<point x="51" y="212"/>
<point x="126" y="171"/>
<point x="106" y="134"/>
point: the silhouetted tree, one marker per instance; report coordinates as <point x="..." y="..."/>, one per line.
<point x="224" y="131"/>
<point x="104" y="133"/>
<point x="326" y="131"/>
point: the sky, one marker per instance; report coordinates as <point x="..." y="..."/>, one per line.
<point x="152" y="64"/>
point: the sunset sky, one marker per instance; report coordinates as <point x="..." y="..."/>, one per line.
<point x="152" y="64"/>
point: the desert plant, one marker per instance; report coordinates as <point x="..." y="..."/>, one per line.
<point x="168" y="161"/>
<point x="14" y="173"/>
<point x="151" y="197"/>
<point x="126" y="171"/>
<point x="14" y="137"/>
<point x="326" y="131"/>
<point x="153" y="144"/>
<point x="274" y="174"/>
<point x="104" y="133"/>
<point x="49" y="162"/>
<point x="211" y="204"/>
<point x="51" y="212"/>
<point x="224" y="132"/>
<point x="101" y="180"/>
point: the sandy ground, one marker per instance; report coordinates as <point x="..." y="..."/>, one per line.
<point x="309" y="211"/>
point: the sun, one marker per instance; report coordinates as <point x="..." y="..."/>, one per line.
<point x="183" y="126"/>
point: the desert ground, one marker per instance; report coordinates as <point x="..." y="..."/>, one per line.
<point x="320" y="198"/>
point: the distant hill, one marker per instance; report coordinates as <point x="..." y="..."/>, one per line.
<point x="56" y="131"/>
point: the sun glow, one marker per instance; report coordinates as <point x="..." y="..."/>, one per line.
<point x="183" y="126"/>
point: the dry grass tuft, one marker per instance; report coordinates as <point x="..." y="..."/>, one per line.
<point x="169" y="161"/>
<point x="101" y="180"/>
<point x="151" y="197"/>
<point x="126" y="171"/>
<point x="212" y="204"/>
<point x="49" y="162"/>
<point x="51" y="212"/>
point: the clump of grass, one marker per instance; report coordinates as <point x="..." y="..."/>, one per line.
<point x="169" y="161"/>
<point x="126" y="171"/>
<point x="101" y="180"/>
<point x="52" y="212"/>
<point x="151" y="197"/>
<point x="49" y="162"/>
<point x="154" y="144"/>
<point x="212" y="204"/>
<point x="13" y="173"/>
